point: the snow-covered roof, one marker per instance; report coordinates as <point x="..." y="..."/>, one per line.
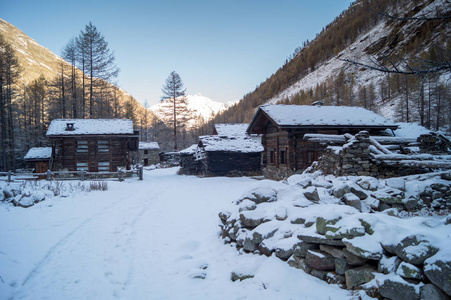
<point x="37" y="153"/>
<point x="148" y="146"/>
<point x="231" y="129"/>
<point x="190" y="150"/>
<point x="230" y="144"/>
<point x="309" y="115"/>
<point x="59" y="127"/>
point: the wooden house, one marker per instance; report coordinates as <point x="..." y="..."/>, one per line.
<point x="94" y="145"/>
<point x="283" y="127"/>
<point x="38" y="158"/>
<point x="222" y="156"/>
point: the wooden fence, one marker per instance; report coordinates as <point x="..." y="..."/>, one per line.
<point x="72" y="175"/>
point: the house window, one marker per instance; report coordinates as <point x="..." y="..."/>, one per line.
<point x="283" y="154"/>
<point x="82" y="147"/>
<point x="82" y="166"/>
<point x="146" y="151"/>
<point x="103" y="146"/>
<point x="271" y="157"/>
<point x="103" y="166"/>
<point x="310" y="157"/>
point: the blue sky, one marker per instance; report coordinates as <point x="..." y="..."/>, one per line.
<point x="221" y="49"/>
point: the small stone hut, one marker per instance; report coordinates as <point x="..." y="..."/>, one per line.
<point x="148" y="153"/>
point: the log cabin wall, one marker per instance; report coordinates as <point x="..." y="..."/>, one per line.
<point x="223" y="163"/>
<point x="93" y="154"/>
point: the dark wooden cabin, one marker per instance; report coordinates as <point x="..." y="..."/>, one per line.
<point x="93" y="145"/>
<point x="38" y="159"/>
<point x="222" y="156"/>
<point x="283" y="128"/>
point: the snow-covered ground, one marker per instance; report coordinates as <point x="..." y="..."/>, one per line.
<point x="153" y="239"/>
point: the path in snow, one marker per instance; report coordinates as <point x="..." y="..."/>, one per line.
<point x="152" y="240"/>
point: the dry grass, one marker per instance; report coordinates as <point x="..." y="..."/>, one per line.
<point x="98" y="186"/>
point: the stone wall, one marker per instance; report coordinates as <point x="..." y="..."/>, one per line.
<point x="352" y="249"/>
<point x="354" y="159"/>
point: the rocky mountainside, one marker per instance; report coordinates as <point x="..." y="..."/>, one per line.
<point x="384" y="38"/>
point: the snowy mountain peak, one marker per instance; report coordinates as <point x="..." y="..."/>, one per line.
<point x="199" y="107"/>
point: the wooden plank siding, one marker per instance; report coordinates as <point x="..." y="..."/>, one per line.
<point x="99" y="153"/>
<point x="223" y="163"/>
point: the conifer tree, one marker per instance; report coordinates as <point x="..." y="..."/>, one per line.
<point x="99" y="62"/>
<point x="174" y="92"/>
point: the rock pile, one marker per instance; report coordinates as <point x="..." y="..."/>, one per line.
<point x="332" y="229"/>
<point x="364" y="156"/>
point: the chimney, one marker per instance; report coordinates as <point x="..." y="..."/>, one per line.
<point x="70" y="127"/>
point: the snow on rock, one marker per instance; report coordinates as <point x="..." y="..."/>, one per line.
<point x="326" y="235"/>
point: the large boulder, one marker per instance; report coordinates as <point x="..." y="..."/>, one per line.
<point x="345" y="232"/>
<point x="368" y="183"/>
<point x="353" y="259"/>
<point x="334" y="251"/>
<point x="364" y="248"/>
<point x="398" y="289"/>
<point x="341" y="190"/>
<point x="409" y="271"/>
<point x="260" y="195"/>
<point x="430" y="291"/>
<point x="264" y="231"/>
<point x="253" y="218"/>
<point x="438" y="271"/>
<point x="358" y="276"/>
<point x="320" y="260"/>
<point x="388" y="264"/>
<point x="359" y="193"/>
<point x="341" y="266"/>
<point x="311" y="193"/>
<point x="301" y="248"/>
<point x="299" y="263"/>
<point x="415" y="249"/>
<point x="317" y="239"/>
<point x="352" y="200"/>
<point x="247" y="205"/>
<point x="323" y="224"/>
